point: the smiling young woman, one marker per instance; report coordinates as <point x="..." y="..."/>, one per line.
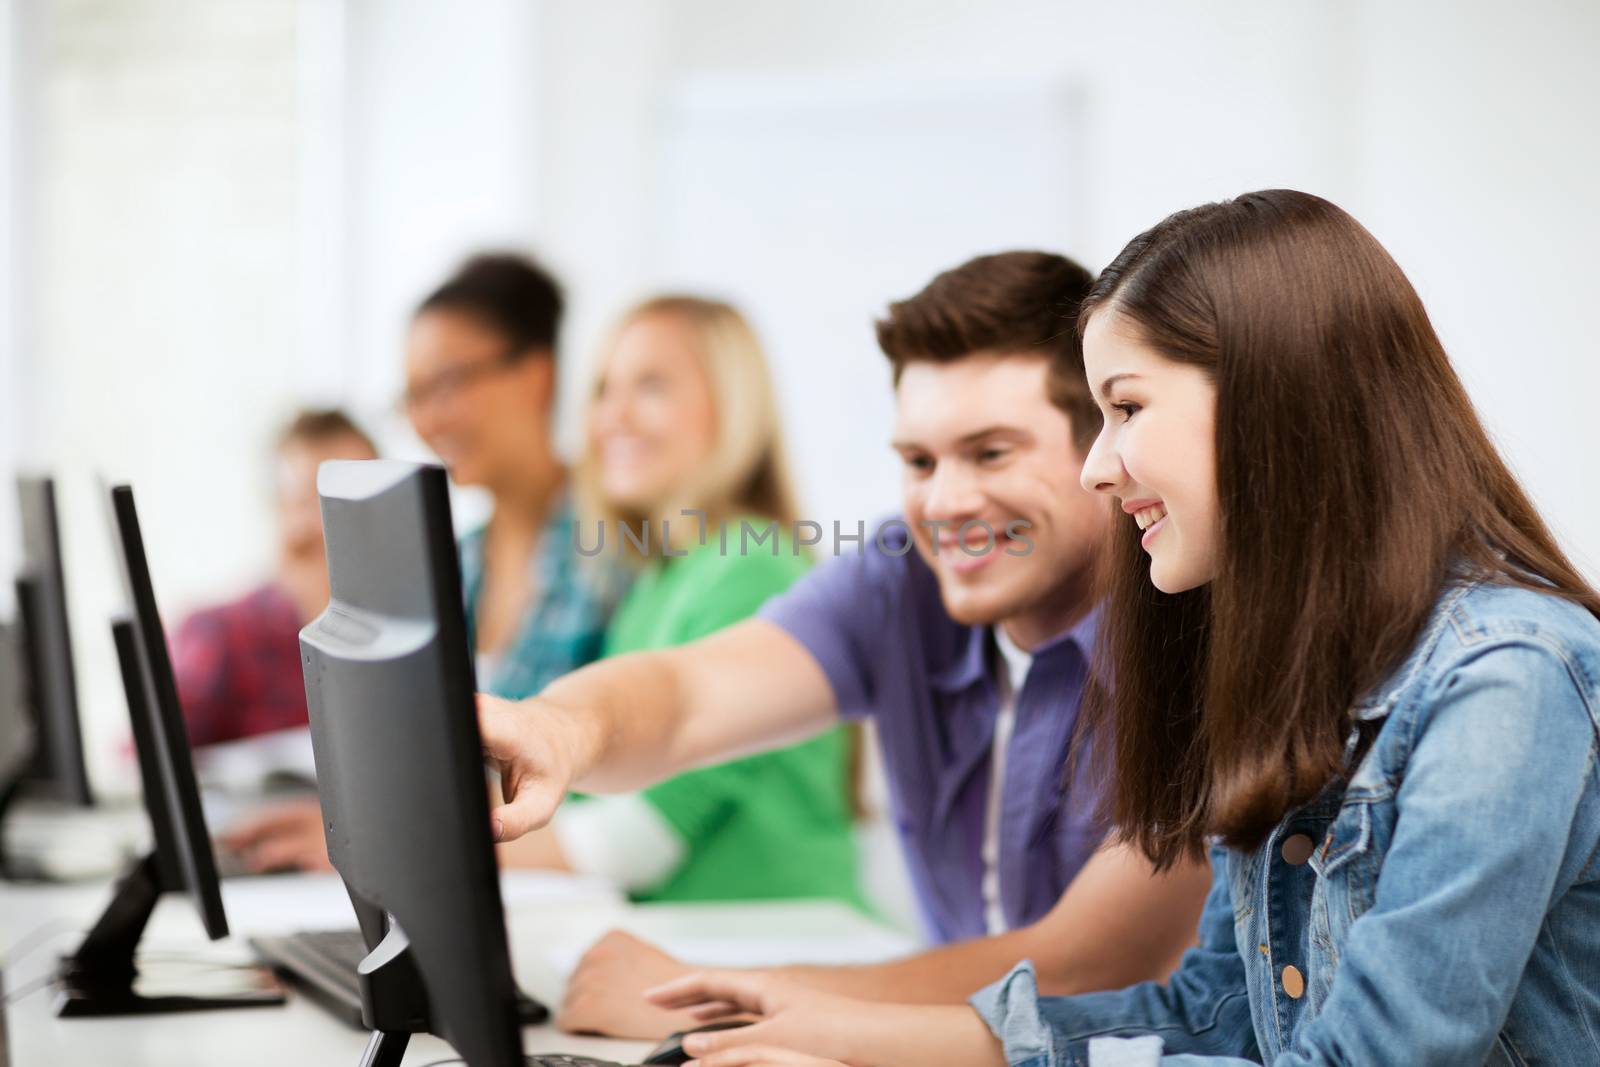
<point x="1333" y="473"/>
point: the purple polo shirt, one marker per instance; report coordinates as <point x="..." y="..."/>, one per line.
<point x="875" y="624"/>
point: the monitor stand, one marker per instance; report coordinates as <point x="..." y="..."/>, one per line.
<point x="101" y="977"/>
<point x="394" y="1002"/>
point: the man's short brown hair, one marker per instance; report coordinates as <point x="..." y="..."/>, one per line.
<point x="1011" y="302"/>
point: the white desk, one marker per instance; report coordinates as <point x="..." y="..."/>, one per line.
<point x="550" y="920"/>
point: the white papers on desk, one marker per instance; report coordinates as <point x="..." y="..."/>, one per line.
<point x="283" y="904"/>
<point x="68" y="844"/>
<point x="247" y="765"/>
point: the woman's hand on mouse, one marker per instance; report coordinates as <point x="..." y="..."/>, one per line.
<point x="799" y="1025"/>
<point x="794" y="1020"/>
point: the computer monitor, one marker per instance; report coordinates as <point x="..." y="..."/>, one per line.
<point x="58" y="770"/>
<point x="389" y="682"/>
<point x="101" y="977"/>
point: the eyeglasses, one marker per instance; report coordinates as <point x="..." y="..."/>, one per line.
<point x="450" y="383"/>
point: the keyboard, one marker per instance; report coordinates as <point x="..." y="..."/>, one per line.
<point x="322" y="965"/>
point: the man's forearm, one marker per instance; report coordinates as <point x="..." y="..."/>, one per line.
<point x="621" y="716"/>
<point x="1119" y="923"/>
<point x="945" y="975"/>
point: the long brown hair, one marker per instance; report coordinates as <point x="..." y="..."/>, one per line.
<point x="1353" y="475"/>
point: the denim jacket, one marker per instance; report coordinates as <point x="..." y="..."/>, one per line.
<point x="1437" y="907"/>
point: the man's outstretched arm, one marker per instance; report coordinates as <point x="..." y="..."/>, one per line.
<point x="1118" y="923"/>
<point x="630" y="721"/>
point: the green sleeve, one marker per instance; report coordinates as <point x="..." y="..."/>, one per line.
<point x="695" y="803"/>
<point x="725" y="590"/>
<point x="698" y="803"/>
<point x="730" y="589"/>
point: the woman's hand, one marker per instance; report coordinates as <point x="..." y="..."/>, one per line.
<point x="794" y="1020"/>
<point x="798" y="1024"/>
<point x="533" y="746"/>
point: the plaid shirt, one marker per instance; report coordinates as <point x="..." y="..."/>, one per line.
<point x="238" y="668"/>
<point x="564" y="627"/>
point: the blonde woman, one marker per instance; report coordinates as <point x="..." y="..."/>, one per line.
<point x="683" y="418"/>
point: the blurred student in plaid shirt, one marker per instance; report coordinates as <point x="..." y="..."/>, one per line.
<point x="238" y="664"/>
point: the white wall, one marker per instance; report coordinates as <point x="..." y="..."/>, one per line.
<point x="435" y="158"/>
<point x="10" y="329"/>
<point x="1183" y="101"/>
<point x="439" y="153"/>
<point x="617" y="120"/>
<point x="599" y="74"/>
<point x="1478" y="168"/>
<point x="159" y="257"/>
<point x="616" y="85"/>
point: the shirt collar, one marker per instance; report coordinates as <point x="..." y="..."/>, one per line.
<point x="1016" y="661"/>
<point x="970" y="665"/>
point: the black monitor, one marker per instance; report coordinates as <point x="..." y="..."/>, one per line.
<point x="101" y="977"/>
<point x="57" y="770"/>
<point x="16" y="724"/>
<point x="389" y="682"/>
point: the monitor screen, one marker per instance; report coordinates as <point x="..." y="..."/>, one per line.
<point x="180" y="793"/>
<point x="58" y="769"/>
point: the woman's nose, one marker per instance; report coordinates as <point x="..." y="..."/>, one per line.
<point x="1102" y="468"/>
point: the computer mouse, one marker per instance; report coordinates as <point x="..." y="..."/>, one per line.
<point x="671" y="1051"/>
<point x="531" y="1012"/>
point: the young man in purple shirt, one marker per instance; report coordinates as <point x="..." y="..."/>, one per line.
<point x="963" y="628"/>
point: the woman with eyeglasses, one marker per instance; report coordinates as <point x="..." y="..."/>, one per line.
<point x="480" y="392"/>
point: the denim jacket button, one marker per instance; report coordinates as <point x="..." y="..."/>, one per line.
<point x="1294" y="983"/>
<point x="1297" y="849"/>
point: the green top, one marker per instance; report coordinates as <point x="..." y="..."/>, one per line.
<point x="770" y="826"/>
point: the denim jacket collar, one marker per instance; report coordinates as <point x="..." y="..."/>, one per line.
<point x="1381" y="700"/>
